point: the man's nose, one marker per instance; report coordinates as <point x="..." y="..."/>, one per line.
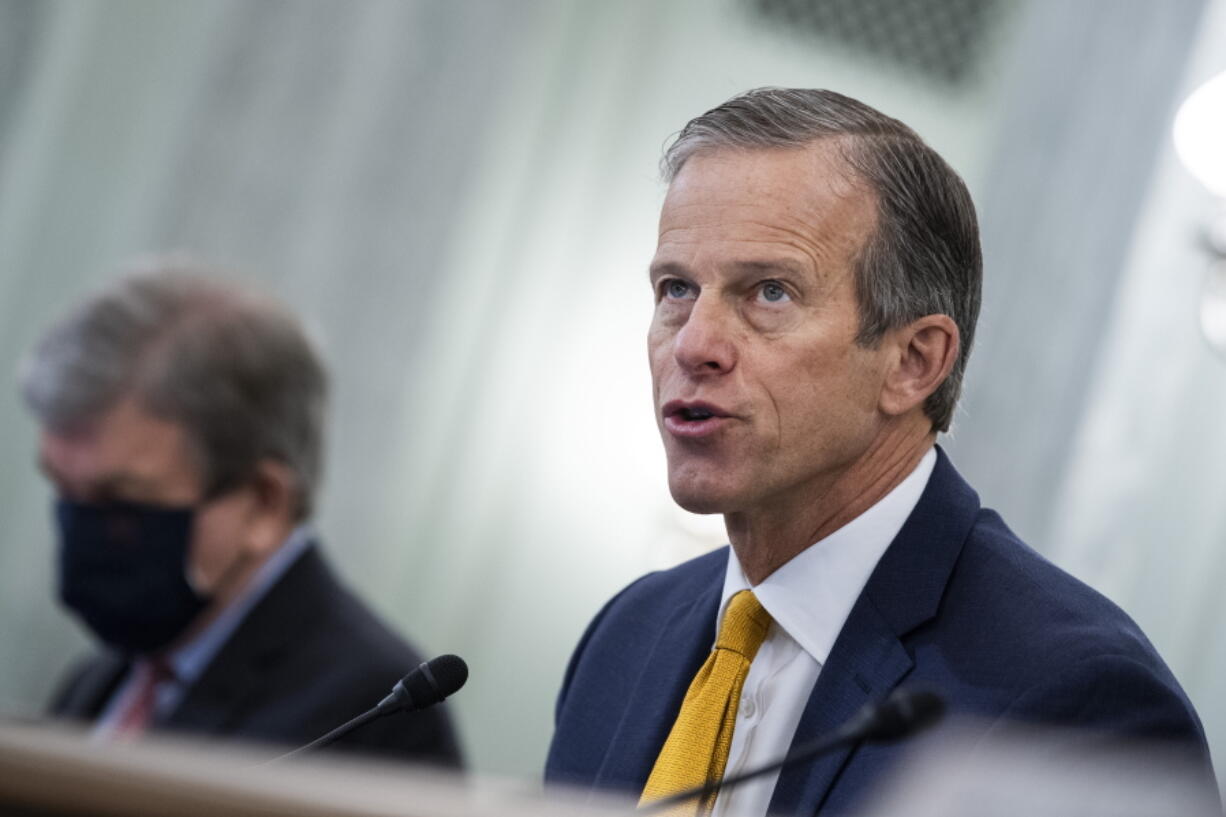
<point x="704" y="344"/>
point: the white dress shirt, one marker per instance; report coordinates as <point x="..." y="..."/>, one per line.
<point x="809" y="599"/>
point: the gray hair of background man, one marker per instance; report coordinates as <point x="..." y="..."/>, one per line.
<point x="924" y="257"/>
<point x="233" y="368"/>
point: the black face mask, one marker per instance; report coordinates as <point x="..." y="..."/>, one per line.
<point x="123" y="570"/>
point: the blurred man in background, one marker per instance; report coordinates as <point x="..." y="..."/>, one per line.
<point x="817" y="284"/>
<point x="182" y="423"/>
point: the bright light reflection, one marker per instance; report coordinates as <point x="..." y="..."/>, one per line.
<point x="1213" y="307"/>
<point x="1200" y="134"/>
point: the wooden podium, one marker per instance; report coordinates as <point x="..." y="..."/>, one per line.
<point x="53" y="772"/>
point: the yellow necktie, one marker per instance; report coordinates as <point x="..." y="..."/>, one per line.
<point x="697" y="747"/>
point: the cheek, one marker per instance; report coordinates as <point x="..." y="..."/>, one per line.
<point x="826" y="387"/>
<point x="216" y="543"/>
<point x="658" y="335"/>
<point x="659" y="345"/>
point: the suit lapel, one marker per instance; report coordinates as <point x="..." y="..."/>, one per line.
<point x="238" y="677"/>
<point x="670" y="665"/>
<point x="866" y="663"/>
<point x="218" y="703"/>
<point x="869" y="658"/>
<point x="88" y="695"/>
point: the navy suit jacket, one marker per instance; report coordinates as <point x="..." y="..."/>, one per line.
<point x="308" y="657"/>
<point x="957" y="604"/>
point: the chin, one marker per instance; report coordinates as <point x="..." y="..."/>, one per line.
<point x="700" y="498"/>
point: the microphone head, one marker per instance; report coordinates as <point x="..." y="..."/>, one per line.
<point x="429" y="683"/>
<point x="449" y="673"/>
<point x="903" y="713"/>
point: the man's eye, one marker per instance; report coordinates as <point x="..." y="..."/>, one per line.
<point x="773" y="292"/>
<point x="676" y="289"/>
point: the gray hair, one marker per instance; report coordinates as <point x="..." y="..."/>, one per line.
<point x="924" y="257"/>
<point x="235" y="369"/>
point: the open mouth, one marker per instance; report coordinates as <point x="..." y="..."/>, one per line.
<point x="696" y="420"/>
<point x="696" y="413"/>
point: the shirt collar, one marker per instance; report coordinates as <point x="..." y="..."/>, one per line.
<point x="189" y="661"/>
<point x="811" y="596"/>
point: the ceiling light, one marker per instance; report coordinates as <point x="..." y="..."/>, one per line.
<point x="1200" y="134"/>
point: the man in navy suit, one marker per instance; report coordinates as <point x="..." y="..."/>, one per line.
<point x="817" y="285"/>
<point x="182" y="430"/>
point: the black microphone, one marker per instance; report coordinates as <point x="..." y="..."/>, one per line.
<point x="428" y="684"/>
<point x="903" y="713"/>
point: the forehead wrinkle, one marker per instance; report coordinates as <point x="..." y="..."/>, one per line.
<point x="768" y="266"/>
<point x="821" y="210"/>
<point x="810" y="209"/>
<point x="820" y="256"/>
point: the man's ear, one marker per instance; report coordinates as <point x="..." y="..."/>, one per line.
<point x="274" y="505"/>
<point x="925" y="353"/>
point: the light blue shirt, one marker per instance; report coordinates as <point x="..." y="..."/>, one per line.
<point x="190" y="660"/>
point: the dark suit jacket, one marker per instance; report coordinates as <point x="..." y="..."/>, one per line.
<point x="957" y="604"/>
<point x="308" y="657"/>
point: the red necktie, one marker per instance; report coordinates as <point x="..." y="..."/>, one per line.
<point x="137" y="713"/>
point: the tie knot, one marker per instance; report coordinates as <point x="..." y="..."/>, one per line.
<point x="744" y="626"/>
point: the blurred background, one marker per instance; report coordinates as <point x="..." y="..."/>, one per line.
<point x="460" y="197"/>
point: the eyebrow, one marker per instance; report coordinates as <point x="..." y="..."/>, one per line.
<point x="655" y="270"/>
<point x="766" y="267"/>
<point x="759" y="266"/>
<point x="107" y="483"/>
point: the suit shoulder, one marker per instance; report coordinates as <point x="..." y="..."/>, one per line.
<point x="366" y="631"/>
<point x="1016" y="638"/>
<point x="655" y="595"/>
<point x="1030" y="612"/>
<point x="70" y="680"/>
<point x="608" y="662"/>
<point x="338" y="660"/>
<point x="632" y="618"/>
<point x="1048" y="593"/>
<point x="692" y="576"/>
<point x="333" y="618"/>
<point x="374" y="658"/>
<point x="85" y="685"/>
<point x="346" y="644"/>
